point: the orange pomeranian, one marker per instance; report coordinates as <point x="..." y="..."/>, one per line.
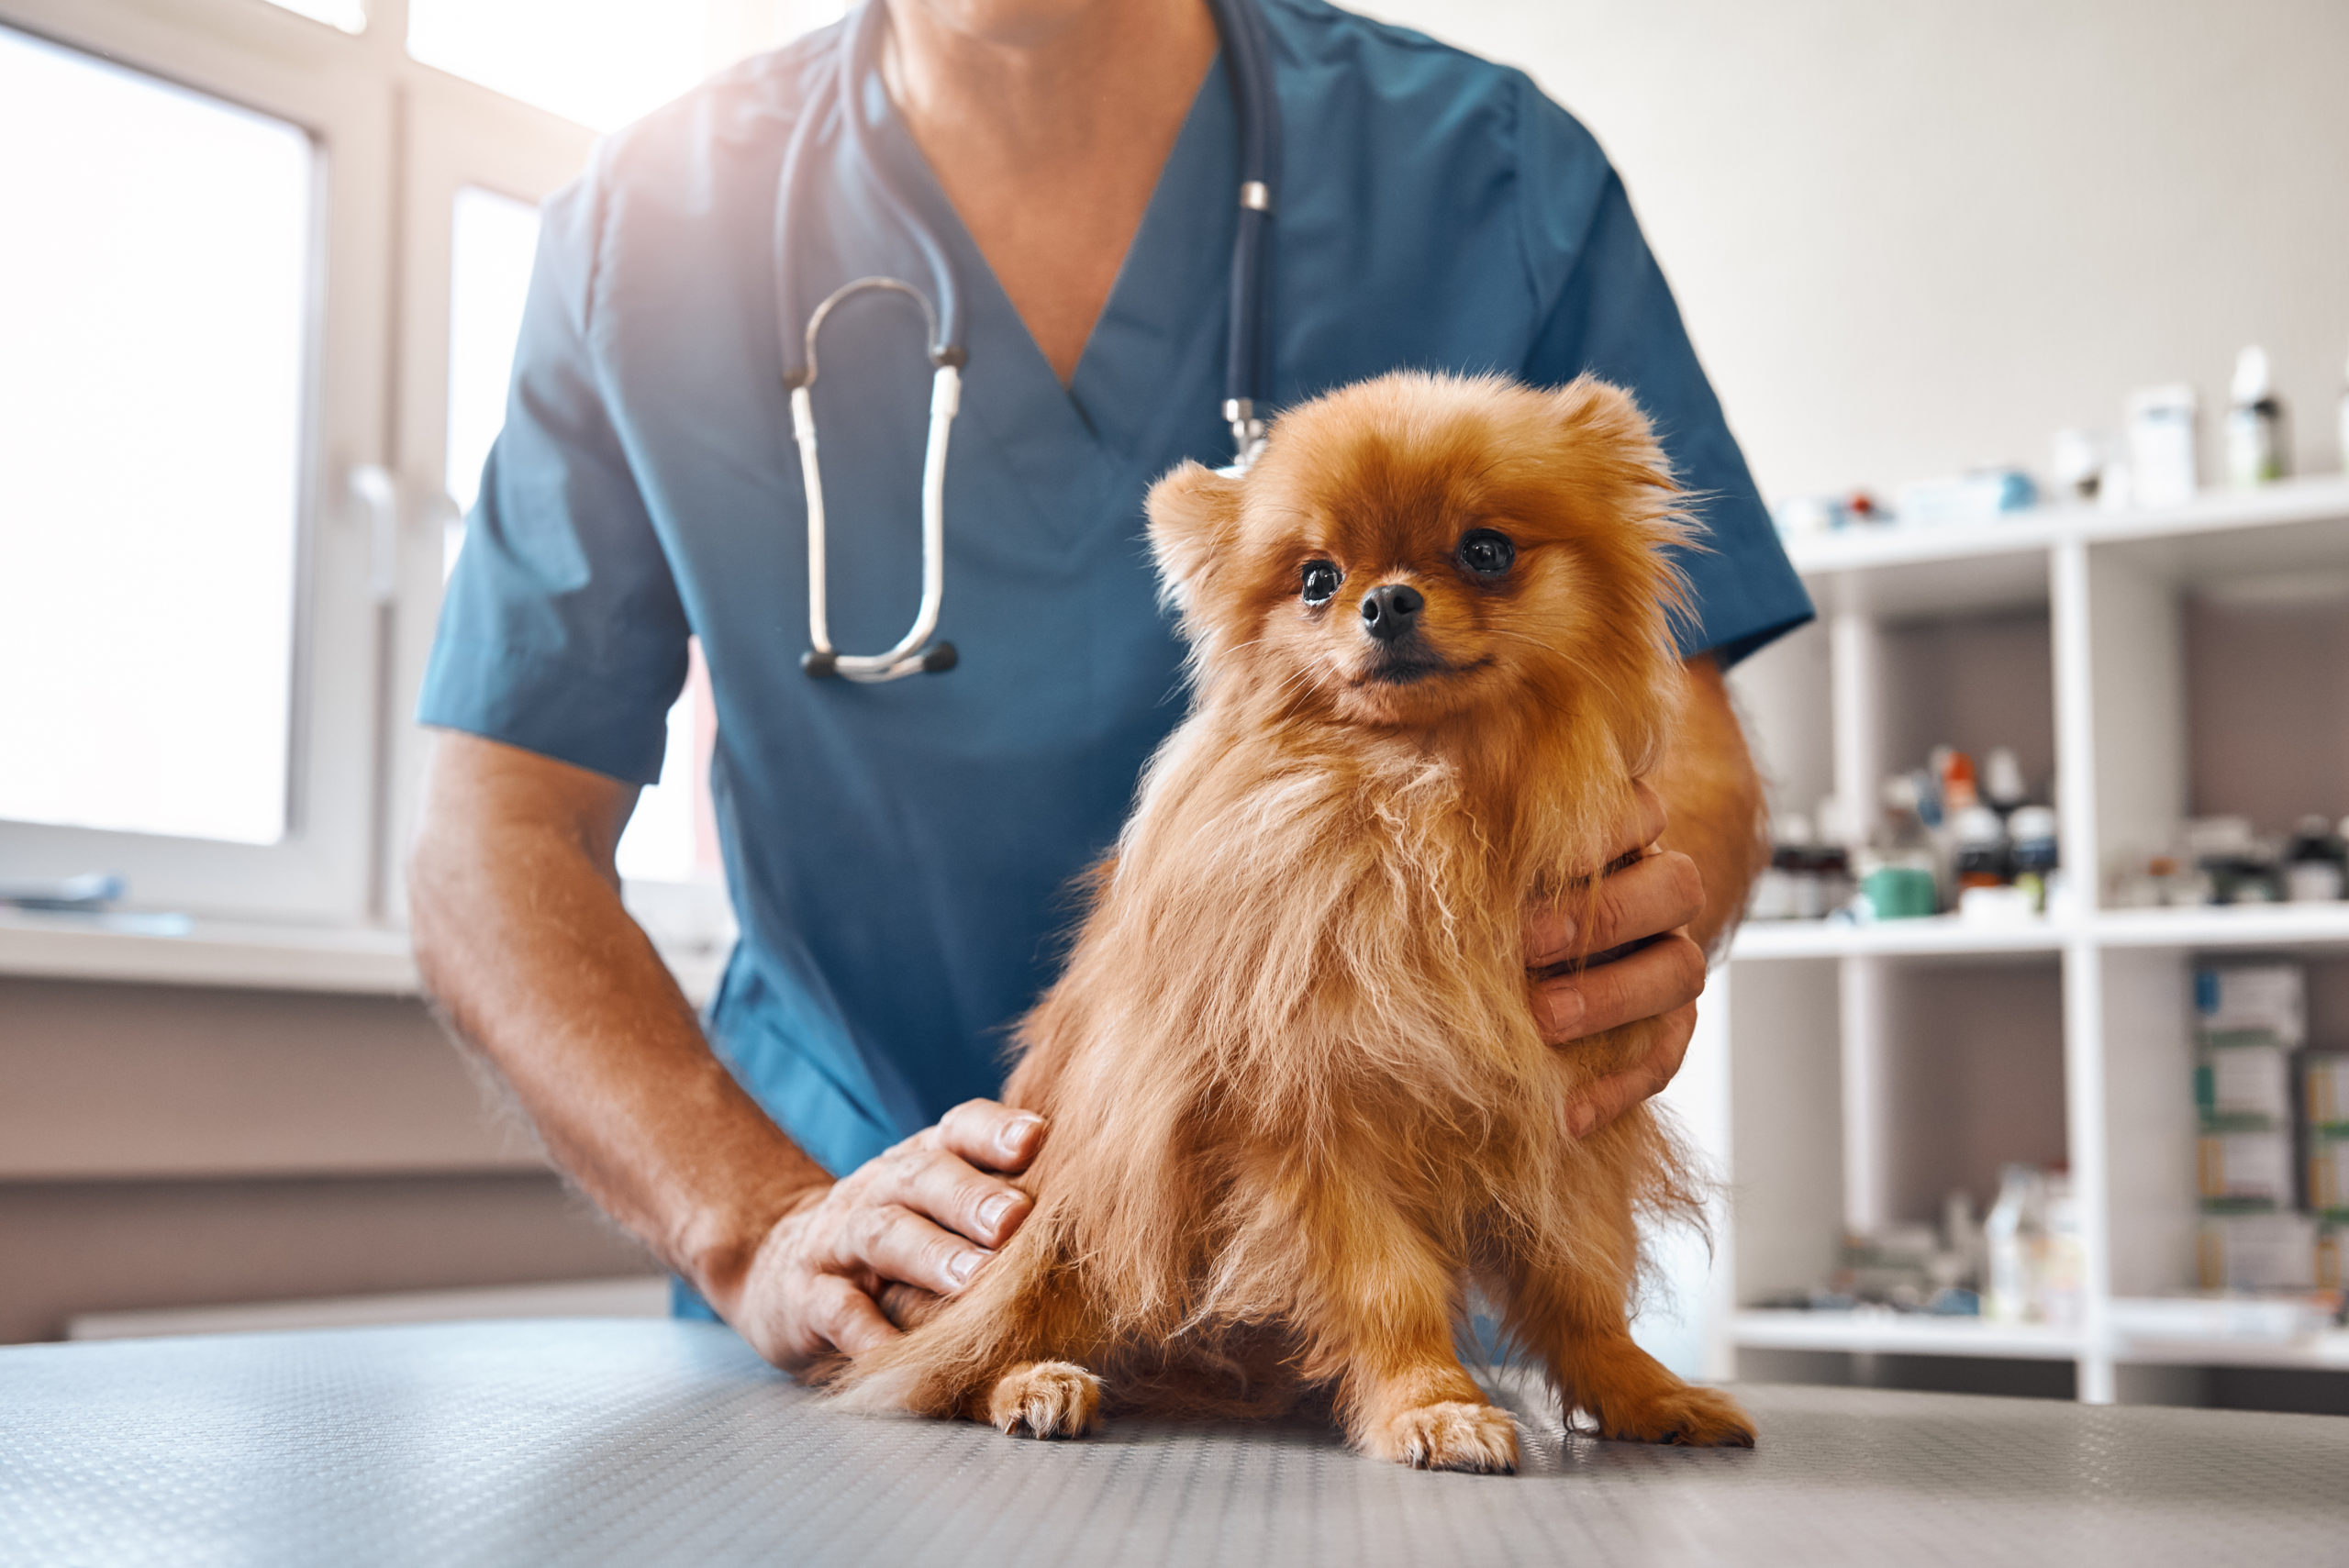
<point x="1298" y="1101"/>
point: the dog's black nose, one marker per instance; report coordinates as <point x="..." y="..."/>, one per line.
<point x="1391" y="610"/>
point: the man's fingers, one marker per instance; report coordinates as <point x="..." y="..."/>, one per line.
<point x="1651" y="896"/>
<point x="991" y="1136"/>
<point x="949" y="1190"/>
<point x="1553" y="933"/>
<point x="1656" y="893"/>
<point x="1655" y="980"/>
<point x="1604" y="1099"/>
<point x="845" y="1316"/>
<point x="898" y="1244"/>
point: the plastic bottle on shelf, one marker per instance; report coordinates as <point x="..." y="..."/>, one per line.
<point x="1962" y="1236"/>
<point x="1897" y="879"/>
<point x="2231" y="861"/>
<point x="2037" y="863"/>
<point x="1983" y="858"/>
<point x="1787" y="888"/>
<point x="2014" y="1236"/>
<point x="2002" y="786"/>
<point x="2163" y="423"/>
<point x="2254" y="424"/>
<point x="2062" y="1268"/>
<point x="2316" y="863"/>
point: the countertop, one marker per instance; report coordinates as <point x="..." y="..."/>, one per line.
<point x="652" y="1441"/>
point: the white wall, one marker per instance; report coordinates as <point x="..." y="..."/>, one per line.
<point x="1910" y="236"/>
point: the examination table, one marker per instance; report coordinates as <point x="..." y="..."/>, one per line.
<point x="651" y="1442"/>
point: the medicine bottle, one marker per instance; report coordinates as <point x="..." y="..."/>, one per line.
<point x="2254" y="424"/>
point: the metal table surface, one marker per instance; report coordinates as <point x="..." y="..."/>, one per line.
<point x="650" y="1441"/>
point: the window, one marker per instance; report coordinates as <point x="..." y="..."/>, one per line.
<point x="249" y="369"/>
<point x="600" y="62"/>
<point x="492" y="239"/>
<point x="151" y="415"/>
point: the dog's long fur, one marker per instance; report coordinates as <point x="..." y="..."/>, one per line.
<point x="1298" y="1099"/>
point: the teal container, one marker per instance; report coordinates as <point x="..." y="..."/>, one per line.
<point x="1901" y="893"/>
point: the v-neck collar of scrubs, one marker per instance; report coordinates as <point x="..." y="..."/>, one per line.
<point x="1166" y="306"/>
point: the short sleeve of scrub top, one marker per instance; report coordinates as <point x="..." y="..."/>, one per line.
<point x="901" y="857"/>
<point x="561" y="633"/>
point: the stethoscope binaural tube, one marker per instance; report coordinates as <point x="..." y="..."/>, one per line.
<point x="914" y="652"/>
<point x="1247" y="64"/>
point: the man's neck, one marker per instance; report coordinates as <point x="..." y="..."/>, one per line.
<point x="1048" y="133"/>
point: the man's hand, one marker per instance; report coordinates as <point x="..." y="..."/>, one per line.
<point x="918" y="1219"/>
<point x="1648" y="900"/>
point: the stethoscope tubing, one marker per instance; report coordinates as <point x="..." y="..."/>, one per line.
<point x="1246" y="54"/>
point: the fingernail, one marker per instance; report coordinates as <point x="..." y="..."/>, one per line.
<point x="991" y="1212"/>
<point x="1565" y="1009"/>
<point x="963" y="1265"/>
<point x="1580" y="1121"/>
<point x="1019" y="1132"/>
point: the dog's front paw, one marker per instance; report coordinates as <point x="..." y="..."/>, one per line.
<point x="1700" y="1417"/>
<point x="1451" y="1436"/>
<point x="1045" y="1399"/>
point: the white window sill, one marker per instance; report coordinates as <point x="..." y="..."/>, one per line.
<point x="169" y="951"/>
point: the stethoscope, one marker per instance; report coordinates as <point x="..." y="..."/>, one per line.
<point x="1245" y="55"/>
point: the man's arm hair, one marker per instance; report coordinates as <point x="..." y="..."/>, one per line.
<point x="528" y="954"/>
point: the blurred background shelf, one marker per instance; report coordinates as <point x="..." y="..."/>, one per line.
<point x="1891" y="1333"/>
<point x="2318" y="499"/>
<point x="1901" y="1333"/>
<point x="2145" y="667"/>
<point x="2238" y="925"/>
<point x="1942" y="934"/>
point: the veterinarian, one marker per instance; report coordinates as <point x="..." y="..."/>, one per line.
<point x="901" y="855"/>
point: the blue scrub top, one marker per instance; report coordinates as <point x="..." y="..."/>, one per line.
<point x="900" y="856"/>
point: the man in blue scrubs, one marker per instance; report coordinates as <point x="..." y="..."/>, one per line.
<point x="900" y="855"/>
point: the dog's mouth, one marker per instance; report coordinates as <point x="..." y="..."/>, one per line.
<point x="1409" y="668"/>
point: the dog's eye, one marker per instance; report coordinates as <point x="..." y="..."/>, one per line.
<point x="1320" y="582"/>
<point x="1485" y="553"/>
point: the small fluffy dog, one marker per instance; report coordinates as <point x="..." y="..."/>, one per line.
<point x="1298" y="1099"/>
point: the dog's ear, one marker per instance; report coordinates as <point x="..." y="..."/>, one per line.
<point x="1193" y="518"/>
<point x="1590" y="410"/>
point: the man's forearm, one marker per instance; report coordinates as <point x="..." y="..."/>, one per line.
<point x="525" y="945"/>
<point x="1712" y="799"/>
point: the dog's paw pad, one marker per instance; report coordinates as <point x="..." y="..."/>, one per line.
<point x="1452" y="1436"/>
<point x="1689" y="1418"/>
<point x="1045" y="1399"/>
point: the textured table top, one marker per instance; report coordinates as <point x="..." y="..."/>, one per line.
<point x="576" y="1442"/>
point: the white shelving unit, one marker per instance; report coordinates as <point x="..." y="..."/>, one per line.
<point x="1872" y="1069"/>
